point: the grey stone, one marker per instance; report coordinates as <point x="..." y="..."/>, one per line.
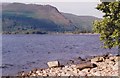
<point x="97" y="59"/>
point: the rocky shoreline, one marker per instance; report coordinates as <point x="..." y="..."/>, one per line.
<point x="98" y="66"/>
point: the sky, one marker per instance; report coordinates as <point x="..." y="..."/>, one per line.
<point x="77" y="7"/>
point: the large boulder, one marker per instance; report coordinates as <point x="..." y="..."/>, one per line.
<point x="53" y="64"/>
<point x="86" y="65"/>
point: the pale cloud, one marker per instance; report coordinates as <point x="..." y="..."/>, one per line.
<point x="50" y="1"/>
<point x="77" y="7"/>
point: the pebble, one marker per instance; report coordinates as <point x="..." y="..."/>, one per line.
<point x="86" y="70"/>
<point x="82" y="73"/>
<point x="108" y="67"/>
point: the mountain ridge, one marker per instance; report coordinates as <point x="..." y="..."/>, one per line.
<point x="42" y="18"/>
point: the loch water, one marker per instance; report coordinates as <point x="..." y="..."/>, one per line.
<point x="25" y="52"/>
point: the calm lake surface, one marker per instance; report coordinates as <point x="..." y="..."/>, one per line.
<point x="25" y="52"/>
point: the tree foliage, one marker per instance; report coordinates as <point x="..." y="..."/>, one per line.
<point x="109" y="26"/>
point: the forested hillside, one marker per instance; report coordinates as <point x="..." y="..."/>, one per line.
<point x="42" y="19"/>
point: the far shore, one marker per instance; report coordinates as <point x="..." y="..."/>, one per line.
<point x="53" y="34"/>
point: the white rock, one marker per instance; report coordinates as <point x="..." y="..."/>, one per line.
<point x="44" y="75"/>
<point x="40" y="74"/>
<point x="53" y="64"/>
<point x="89" y="74"/>
<point x="33" y="74"/>
<point x="66" y="67"/>
<point x="86" y="70"/>
<point x="112" y="58"/>
<point x="107" y="60"/>
<point x="62" y="74"/>
<point x="97" y="73"/>
<point x="37" y="72"/>
<point x="82" y="73"/>
<point x="44" y="71"/>
<point x="115" y="68"/>
<point x="73" y="66"/>
<point x="68" y="74"/>
<point x="76" y="71"/>
<point x="93" y="70"/>
<point x="117" y="59"/>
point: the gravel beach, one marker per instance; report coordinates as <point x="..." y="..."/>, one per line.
<point x="103" y="66"/>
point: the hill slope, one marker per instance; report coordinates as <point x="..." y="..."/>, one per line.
<point x="83" y="23"/>
<point x="32" y="18"/>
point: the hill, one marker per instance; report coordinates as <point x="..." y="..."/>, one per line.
<point x="83" y="23"/>
<point x="41" y="19"/>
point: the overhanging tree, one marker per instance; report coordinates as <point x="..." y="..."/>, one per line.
<point x="109" y="26"/>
